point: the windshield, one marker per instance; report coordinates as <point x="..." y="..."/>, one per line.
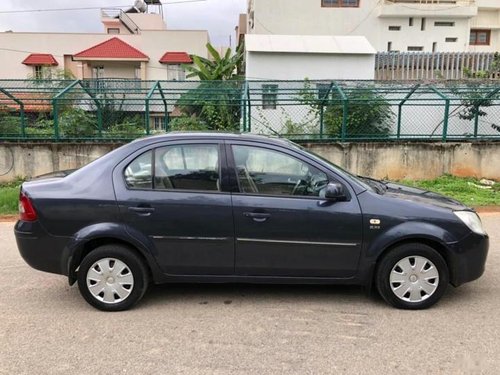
<point x="362" y="181"/>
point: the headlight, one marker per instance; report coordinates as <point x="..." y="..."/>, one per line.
<point x="471" y="219"/>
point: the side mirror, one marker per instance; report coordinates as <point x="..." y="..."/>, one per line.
<point x="335" y="192"/>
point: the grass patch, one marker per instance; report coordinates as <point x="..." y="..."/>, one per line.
<point x="462" y="189"/>
<point x="9" y="197"/>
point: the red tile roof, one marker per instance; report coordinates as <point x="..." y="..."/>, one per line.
<point x="33" y="102"/>
<point x="113" y="48"/>
<point x="40" y="59"/>
<point x="176" y="58"/>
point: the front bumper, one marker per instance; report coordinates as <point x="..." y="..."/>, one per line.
<point x="467" y="258"/>
<point x="39" y="249"/>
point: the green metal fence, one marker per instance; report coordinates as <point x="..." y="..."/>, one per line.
<point x="111" y="109"/>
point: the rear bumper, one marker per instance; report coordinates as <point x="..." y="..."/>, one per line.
<point x="467" y="258"/>
<point x="39" y="249"/>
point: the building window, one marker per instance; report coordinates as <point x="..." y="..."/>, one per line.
<point x="480" y="37"/>
<point x="434" y="46"/>
<point x="340" y="3"/>
<point x="158" y="123"/>
<point x="113" y="30"/>
<point x="176" y="73"/>
<point x="269" y="96"/>
<point x="98" y="72"/>
<point x="410" y="21"/>
<point x="444" y="24"/>
<point x="451" y="40"/>
<point x="324" y="90"/>
<point x="38" y="72"/>
<point x="415" y="48"/>
<point x="389" y="46"/>
<point x="394" y="28"/>
<point x="422" y="24"/>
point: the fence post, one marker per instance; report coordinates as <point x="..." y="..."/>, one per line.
<point x="148" y="129"/>
<point x="244" y="107"/>
<point x="249" y="114"/>
<point x="323" y="99"/>
<point x="55" y="104"/>
<point x="476" y="120"/>
<point x="148" y="97"/>
<point x="345" y="111"/>
<point x="446" y="112"/>
<point x="400" y="108"/>
<point x="23" y="121"/>
<point x="55" y="111"/>
<point x="165" y="105"/>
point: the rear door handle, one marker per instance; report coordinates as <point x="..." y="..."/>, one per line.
<point x="142" y="211"/>
<point x="257" y="216"/>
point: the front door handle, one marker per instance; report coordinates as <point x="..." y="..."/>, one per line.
<point x="142" y="211"/>
<point x="259" y="217"/>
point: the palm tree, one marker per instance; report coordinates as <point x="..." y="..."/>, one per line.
<point x="218" y="68"/>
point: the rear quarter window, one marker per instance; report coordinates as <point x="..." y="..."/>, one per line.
<point x="139" y="173"/>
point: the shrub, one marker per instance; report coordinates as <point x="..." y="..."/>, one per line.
<point x="369" y="114"/>
<point x="10" y="125"/>
<point x="75" y="122"/>
<point x="132" y="127"/>
<point x="186" y="123"/>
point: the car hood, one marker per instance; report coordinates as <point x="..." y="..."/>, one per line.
<point x="423" y="196"/>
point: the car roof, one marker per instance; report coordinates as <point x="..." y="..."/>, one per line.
<point x="215" y="135"/>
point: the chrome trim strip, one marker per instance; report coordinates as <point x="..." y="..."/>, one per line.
<point x="298" y="242"/>
<point x="190" y="238"/>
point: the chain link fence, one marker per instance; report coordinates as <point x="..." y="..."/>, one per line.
<point x="113" y="109"/>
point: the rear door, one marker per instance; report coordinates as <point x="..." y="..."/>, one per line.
<point x="173" y="195"/>
<point x="283" y="226"/>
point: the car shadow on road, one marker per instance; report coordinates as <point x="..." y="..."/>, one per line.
<point x="255" y="294"/>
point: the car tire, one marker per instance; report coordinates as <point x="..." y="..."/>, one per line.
<point x="112" y="278"/>
<point x="412" y="276"/>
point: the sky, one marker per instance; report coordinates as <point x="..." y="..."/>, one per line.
<point x="219" y="17"/>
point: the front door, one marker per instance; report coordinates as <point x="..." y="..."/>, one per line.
<point x="282" y="225"/>
<point x="172" y="194"/>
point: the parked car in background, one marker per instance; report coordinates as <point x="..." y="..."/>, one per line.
<point x="196" y="207"/>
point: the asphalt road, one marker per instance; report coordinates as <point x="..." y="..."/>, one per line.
<point x="47" y="328"/>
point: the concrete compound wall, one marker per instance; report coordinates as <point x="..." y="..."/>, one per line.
<point x="379" y="160"/>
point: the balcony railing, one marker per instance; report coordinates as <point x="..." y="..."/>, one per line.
<point x="424" y="8"/>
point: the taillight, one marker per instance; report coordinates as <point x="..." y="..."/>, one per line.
<point x="26" y="210"/>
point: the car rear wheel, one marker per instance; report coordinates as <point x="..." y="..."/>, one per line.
<point x="412" y="276"/>
<point x="112" y="278"/>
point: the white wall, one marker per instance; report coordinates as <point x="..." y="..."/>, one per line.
<point x="297" y="66"/>
<point x="372" y="18"/>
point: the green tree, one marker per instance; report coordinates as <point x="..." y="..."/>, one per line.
<point x="369" y="114"/>
<point x="216" y="103"/>
<point x="216" y="68"/>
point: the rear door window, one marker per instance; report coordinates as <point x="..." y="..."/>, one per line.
<point x="188" y="167"/>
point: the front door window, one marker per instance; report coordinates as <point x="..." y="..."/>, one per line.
<point x="268" y="172"/>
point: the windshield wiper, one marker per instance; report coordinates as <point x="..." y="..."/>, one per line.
<point x="379" y="185"/>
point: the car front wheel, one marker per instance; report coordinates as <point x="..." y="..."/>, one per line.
<point x="412" y="276"/>
<point x="112" y="278"/>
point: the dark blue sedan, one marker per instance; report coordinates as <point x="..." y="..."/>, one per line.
<point x="198" y="207"/>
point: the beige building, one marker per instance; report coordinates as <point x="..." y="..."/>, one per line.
<point x="389" y="25"/>
<point x="135" y="44"/>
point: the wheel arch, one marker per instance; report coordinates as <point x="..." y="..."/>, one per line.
<point x="94" y="237"/>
